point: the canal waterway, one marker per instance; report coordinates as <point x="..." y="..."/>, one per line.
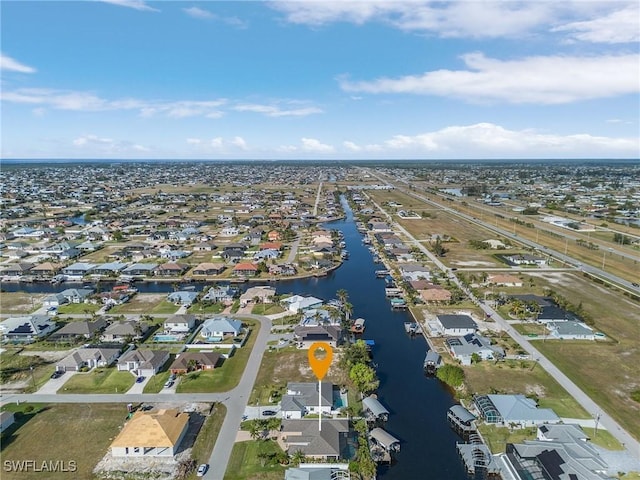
<point x="417" y="404"/>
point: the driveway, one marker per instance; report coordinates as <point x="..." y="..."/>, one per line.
<point x="138" y="387"/>
<point x="54" y="384"/>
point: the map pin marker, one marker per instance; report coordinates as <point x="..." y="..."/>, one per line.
<point x="320" y="366"/>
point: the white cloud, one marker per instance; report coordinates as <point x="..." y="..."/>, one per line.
<point x="218" y="144"/>
<point x="197" y="12"/>
<point x="140" y="5"/>
<point x="485" y="140"/>
<point x="86" y="101"/>
<point x="239" y="142"/>
<point x="91" y="140"/>
<point x="94" y="145"/>
<point x="619" y="26"/>
<point x="9" y="64"/>
<point x="541" y="80"/>
<point x="276" y="111"/>
<point x="315" y="146"/>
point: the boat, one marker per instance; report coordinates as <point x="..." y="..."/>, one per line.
<point x="345" y="255"/>
<point x="412" y="328"/>
<point x="358" y="326"/>
<point x="384" y="439"/>
<point x="382" y="273"/>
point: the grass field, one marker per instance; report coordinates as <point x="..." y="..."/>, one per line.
<point x="100" y="380"/>
<point x="245" y="464"/>
<point x="267" y="309"/>
<point x="78" y="308"/>
<point x="142" y="303"/>
<point x="84" y="433"/>
<point x="222" y="378"/>
<point x="208" y="434"/>
<point x="497" y="438"/>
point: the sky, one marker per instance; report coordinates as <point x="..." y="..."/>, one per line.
<point x="392" y="79"/>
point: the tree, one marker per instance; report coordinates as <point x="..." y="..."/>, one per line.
<point x="364" y="378"/>
<point x="355" y="353"/>
<point x="452" y="375"/>
<point x="475" y="357"/>
<point x="298" y="457"/>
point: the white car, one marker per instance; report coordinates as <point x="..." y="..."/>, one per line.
<point x="168" y="383"/>
<point x="202" y="469"/>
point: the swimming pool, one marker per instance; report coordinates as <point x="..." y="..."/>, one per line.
<point x="166" y="338"/>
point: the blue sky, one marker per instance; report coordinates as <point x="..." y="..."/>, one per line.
<point x="316" y="80"/>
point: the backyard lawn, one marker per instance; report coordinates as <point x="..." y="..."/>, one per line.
<point x="84" y="433"/>
<point x="497" y="438"/>
<point x="101" y="380"/>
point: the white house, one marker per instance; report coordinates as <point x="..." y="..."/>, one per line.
<point x="456" y="325"/>
<point x="302" y="399"/>
<point x="143" y="362"/>
<point x="179" y="323"/>
<point x="298" y="303"/>
<point x="571" y="330"/>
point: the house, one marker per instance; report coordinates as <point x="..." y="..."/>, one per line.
<point x="54" y="300"/>
<point x="26" y="329"/>
<point x="151" y="434"/>
<point x="259" y="294"/>
<point x="17" y="269"/>
<point x="302" y="399"/>
<point x="298" y="303"/>
<point x="456" y="325"/>
<point x="435" y="294"/>
<point x="513" y="410"/>
<point x="171" y="269"/>
<point x="561" y="449"/>
<point x="124" y="331"/>
<point x="229" y="231"/>
<point x="221" y="294"/>
<point x="182" y="323"/>
<point x="189" y="361"/>
<point x="80" y="329"/>
<point x="245" y="269"/>
<point x="45" y="270"/>
<point x="525" y="259"/>
<point x="143" y="361"/>
<point x="270" y="254"/>
<point x="141" y="269"/>
<point x="273" y="236"/>
<point x="307" y="335"/>
<point x="7" y="419"/>
<point x="218" y="328"/>
<point x="184" y="298"/>
<point x="502" y="280"/>
<point x="330" y="443"/>
<point x="310" y="471"/>
<point x="76" y="295"/>
<point x="88" y="357"/>
<point x="109" y="269"/>
<point x="494" y="244"/>
<point x="78" y="270"/>
<point x="209" y="269"/>
<point x="463" y="348"/>
<point x="414" y="271"/>
<point x="271" y="246"/>
<point x="571" y="330"/>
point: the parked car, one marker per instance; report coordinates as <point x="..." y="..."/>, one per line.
<point x="168" y="383"/>
<point x="57" y="374"/>
<point x="140" y="379"/>
<point x="269" y="413"/>
<point x="202" y="469"/>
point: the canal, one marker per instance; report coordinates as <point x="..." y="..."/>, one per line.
<point x="417" y="404"/>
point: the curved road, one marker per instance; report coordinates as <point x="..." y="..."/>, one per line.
<point x="235" y="400"/>
<point x="630" y="443"/>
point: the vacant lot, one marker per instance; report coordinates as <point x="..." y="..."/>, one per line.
<point x="142" y="303"/>
<point x="20" y="302"/>
<point x="245" y="463"/>
<point x="100" y="380"/>
<point x="84" y="433"/>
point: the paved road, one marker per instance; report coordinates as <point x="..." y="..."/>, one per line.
<point x="631" y="444"/>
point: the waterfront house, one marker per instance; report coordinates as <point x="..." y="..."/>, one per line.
<point x="143" y="362"/>
<point x="259" y="294"/>
<point x="305" y="335"/>
<point x="184" y="298"/>
<point x="140" y="269"/>
<point x="171" y="269"/>
<point x="209" y="269"/>
<point x="26" y="329"/>
<point x="76" y="295"/>
<point x="88" y="358"/>
<point x="245" y="269"/>
<point x="78" y="270"/>
<point x="220" y="294"/>
<point x="45" y="270"/>
<point x="513" y="411"/>
<point x="463" y="348"/>
<point x="298" y="303"/>
<point x="109" y="269"/>
<point x="330" y="443"/>
<point x="179" y="324"/>
<point x="54" y="300"/>
<point x="189" y="361"/>
<point x="456" y="325"/>
<point x="17" y="270"/>
<point x="302" y="399"/>
<point x="151" y="434"/>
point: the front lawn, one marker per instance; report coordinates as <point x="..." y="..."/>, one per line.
<point x="254" y="460"/>
<point x="165" y="307"/>
<point x="62" y="433"/>
<point x="101" y="380"/>
<point x="200" y="309"/>
<point x="267" y="309"/>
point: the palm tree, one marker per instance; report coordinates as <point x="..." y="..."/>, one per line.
<point x="342" y="295"/>
<point x="298" y="457"/>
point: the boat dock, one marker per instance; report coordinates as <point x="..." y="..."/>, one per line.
<point x="382" y="273"/>
<point x="358" y="326"/>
